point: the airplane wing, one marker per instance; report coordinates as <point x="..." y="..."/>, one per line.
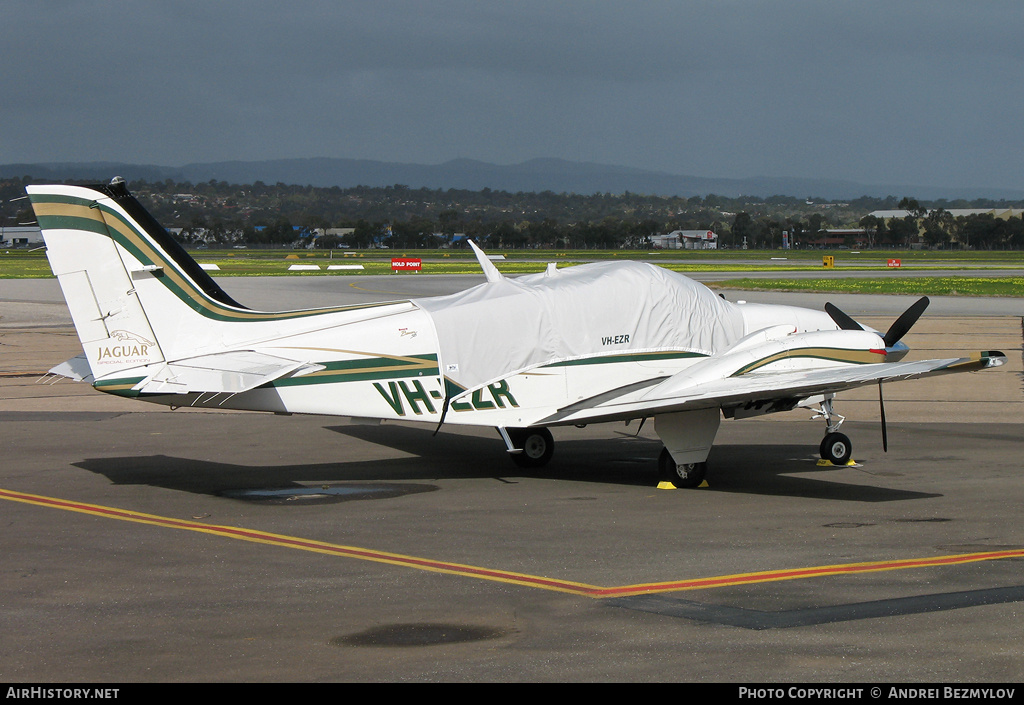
<point x="784" y="389"/>
<point x="229" y="372"/>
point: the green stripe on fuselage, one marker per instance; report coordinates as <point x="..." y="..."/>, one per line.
<point x="626" y="357"/>
<point x="377" y="368"/>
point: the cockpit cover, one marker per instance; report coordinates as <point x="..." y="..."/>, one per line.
<point x="497" y="329"/>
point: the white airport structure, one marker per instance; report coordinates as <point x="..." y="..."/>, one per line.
<point x="21" y="236"/>
<point x="686" y="240"/>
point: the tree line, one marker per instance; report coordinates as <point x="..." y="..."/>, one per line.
<point x="399" y="216"/>
<point x="938" y="228"/>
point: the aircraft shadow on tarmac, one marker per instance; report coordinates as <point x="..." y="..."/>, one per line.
<point x="625" y="459"/>
<point x="620" y="459"/>
<point x="811" y="616"/>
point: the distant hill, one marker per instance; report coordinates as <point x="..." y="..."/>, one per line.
<point x="535" y="175"/>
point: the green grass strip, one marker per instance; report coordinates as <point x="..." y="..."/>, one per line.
<point x="919" y="286"/>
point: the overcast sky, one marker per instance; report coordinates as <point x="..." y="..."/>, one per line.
<point x="925" y="93"/>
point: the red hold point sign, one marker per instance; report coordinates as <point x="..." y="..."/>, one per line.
<point x="406" y="264"/>
<point x="894" y="263"/>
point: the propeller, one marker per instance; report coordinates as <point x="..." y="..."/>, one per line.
<point x="896" y="331"/>
<point x="842" y="320"/>
<point x="902" y="324"/>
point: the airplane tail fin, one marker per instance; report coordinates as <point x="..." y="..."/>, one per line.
<point x="132" y="291"/>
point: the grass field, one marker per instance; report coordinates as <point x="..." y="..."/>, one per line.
<point x="920" y="286"/>
<point x="25" y="264"/>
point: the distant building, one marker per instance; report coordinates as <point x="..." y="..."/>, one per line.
<point x="835" y="238"/>
<point x="21" y="236"/>
<point x="686" y="240"/>
<point x="918" y="242"/>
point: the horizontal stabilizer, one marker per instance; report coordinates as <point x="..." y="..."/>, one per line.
<point x="77" y="368"/>
<point x="230" y="372"/>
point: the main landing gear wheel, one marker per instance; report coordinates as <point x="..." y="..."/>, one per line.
<point x="682" y="476"/>
<point x="537" y="446"/>
<point x="836" y="448"/>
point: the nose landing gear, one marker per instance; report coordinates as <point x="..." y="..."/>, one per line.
<point x="835" y="447"/>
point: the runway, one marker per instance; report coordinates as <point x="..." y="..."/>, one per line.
<point x="145" y="545"/>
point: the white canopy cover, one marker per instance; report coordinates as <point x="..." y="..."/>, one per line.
<point x="507" y="326"/>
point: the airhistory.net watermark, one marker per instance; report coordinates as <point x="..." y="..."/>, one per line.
<point x="61" y="693"/>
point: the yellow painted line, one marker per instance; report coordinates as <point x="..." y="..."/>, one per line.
<point x="300" y="543"/>
<point x="504" y="576"/>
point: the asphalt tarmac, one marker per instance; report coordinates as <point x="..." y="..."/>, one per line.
<point x="141" y="544"/>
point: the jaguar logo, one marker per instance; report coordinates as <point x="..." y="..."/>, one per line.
<point x="128" y="348"/>
<point x="124" y="335"/>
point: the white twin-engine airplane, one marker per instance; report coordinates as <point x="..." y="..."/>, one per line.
<point x="601" y="342"/>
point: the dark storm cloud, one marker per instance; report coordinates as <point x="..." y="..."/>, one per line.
<point x="919" y="92"/>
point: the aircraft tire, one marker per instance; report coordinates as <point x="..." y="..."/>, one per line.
<point x="537" y="446"/>
<point x="684" y="476"/>
<point x="836" y="448"/>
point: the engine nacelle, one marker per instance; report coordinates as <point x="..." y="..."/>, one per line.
<point x="766" y="352"/>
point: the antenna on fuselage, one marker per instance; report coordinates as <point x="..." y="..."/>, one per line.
<point x="490" y="271"/>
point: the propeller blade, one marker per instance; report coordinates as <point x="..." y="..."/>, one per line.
<point x="881" y="408"/>
<point x="906" y="320"/>
<point x="842" y="320"/>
